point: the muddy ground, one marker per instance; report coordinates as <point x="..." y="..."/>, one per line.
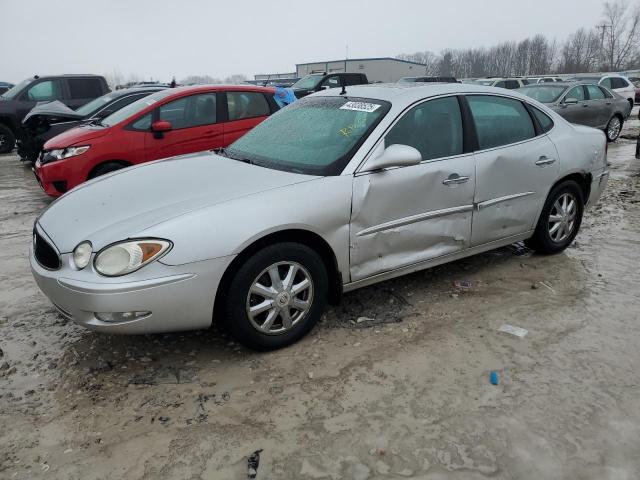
<point x="405" y="394"/>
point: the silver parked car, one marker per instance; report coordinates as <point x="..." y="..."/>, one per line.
<point x="335" y="192"/>
<point x="583" y="103"/>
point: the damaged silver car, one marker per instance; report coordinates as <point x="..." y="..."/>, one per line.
<point x="340" y="190"/>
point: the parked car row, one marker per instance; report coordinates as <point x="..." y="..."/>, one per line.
<point x="583" y="103"/>
<point x="341" y="189"/>
<point x="162" y="124"/>
<point x="73" y="90"/>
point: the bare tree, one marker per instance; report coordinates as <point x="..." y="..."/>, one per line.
<point x="620" y="33"/>
<point x="236" y="78"/>
<point x="199" y="80"/>
<point x="580" y="52"/>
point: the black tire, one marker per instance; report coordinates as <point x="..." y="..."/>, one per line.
<point x="542" y="241"/>
<point x="105" y="168"/>
<point x="613" y="133"/>
<point x="7" y="139"/>
<point x="235" y="317"/>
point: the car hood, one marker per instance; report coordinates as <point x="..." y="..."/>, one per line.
<point x="123" y="204"/>
<point x="50" y="112"/>
<point x="76" y="136"/>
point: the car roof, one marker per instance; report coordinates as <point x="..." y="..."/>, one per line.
<point x="128" y="91"/>
<point x="192" y="89"/>
<point x="411" y="92"/>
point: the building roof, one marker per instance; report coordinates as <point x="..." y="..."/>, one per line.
<point x="361" y="60"/>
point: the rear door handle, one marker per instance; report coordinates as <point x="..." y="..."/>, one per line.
<point x="543" y="160"/>
<point x="455" y="179"/>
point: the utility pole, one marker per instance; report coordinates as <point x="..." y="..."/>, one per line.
<point x="346" y="57"/>
<point x="602" y="28"/>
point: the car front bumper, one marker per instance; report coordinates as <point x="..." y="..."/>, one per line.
<point x="178" y="297"/>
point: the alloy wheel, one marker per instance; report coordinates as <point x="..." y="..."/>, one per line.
<point x="562" y="218"/>
<point x="279" y="298"/>
<point x="613" y="130"/>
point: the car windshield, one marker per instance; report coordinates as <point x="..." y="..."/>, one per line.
<point x="543" y="93"/>
<point x="485" y="82"/>
<point x="313" y="136"/>
<point x="308" y="83"/>
<point x="94" y="105"/>
<point x="13" y="91"/>
<point x="133" y="108"/>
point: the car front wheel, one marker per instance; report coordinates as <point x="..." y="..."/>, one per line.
<point x="613" y="128"/>
<point x="560" y="219"/>
<point x="276" y="297"/>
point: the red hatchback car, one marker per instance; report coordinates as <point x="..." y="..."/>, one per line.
<point x="167" y="123"/>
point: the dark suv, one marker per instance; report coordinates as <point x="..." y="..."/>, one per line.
<point x="72" y="90"/>
<point x="315" y="82"/>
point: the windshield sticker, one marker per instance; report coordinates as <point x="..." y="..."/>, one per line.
<point x="359" y="123"/>
<point x="360" y="106"/>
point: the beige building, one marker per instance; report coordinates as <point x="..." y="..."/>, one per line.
<point x="384" y="69"/>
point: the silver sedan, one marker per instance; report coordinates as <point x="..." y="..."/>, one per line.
<point x="583" y="103"/>
<point x="335" y="192"/>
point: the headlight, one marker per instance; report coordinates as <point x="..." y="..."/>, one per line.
<point x="68" y="152"/>
<point x="129" y="256"/>
<point x="82" y="255"/>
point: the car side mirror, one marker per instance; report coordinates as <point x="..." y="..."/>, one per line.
<point x="161" y="126"/>
<point x="395" y="155"/>
<point x="570" y="101"/>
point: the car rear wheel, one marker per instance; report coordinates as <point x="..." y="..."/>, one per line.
<point x="105" y="168"/>
<point x="7" y="139"/>
<point x="560" y="219"/>
<point x="276" y="297"/>
<point x="613" y="128"/>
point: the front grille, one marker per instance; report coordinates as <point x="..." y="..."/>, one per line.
<point x="45" y="254"/>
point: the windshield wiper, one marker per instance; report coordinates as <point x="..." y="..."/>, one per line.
<point x="225" y="153"/>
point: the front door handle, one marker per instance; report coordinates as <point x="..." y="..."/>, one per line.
<point x="543" y="160"/>
<point x="455" y="179"/>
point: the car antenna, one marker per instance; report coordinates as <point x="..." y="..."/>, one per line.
<point x="344" y="90"/>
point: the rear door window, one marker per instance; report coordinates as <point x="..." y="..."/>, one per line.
<point x="544" y="120"/>
<point x="500" y="121"/>
<point x="247" y="105"/>
<point x="618" y="82"/>
<point x="84" y="87"/>
<point x="45" y="91"/>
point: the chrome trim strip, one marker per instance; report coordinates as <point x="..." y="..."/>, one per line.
<point x="121" y="287"/>
<point x="414" y="219"/>
<point x="506" y="198"/>
<point x="433" y="262"/>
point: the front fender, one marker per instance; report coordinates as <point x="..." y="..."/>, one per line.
<point x="322" y="206"/>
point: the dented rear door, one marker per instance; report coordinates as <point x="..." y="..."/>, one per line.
<point x="515" y="168"/>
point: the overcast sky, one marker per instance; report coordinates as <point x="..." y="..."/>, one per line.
<point x="162" y="38"/>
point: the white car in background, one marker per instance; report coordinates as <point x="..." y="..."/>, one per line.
<point x="616" y="83"/>
<point x="509" y="83"/>
<point x="534" y="80"/>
